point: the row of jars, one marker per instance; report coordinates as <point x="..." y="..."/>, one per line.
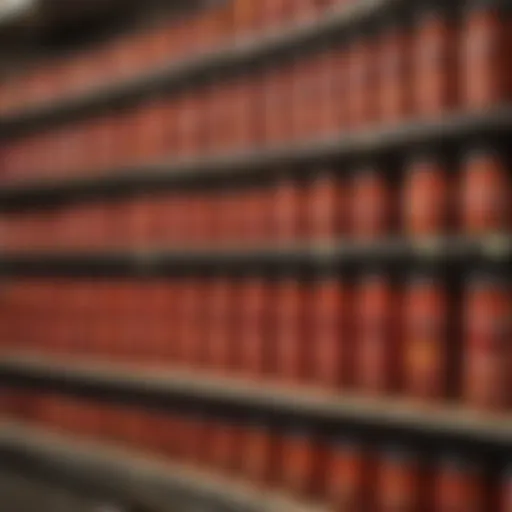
<point x="147" y="49"/>
<point x="366" y="81"/>
<point x="343" y="472"/>
<point x="430" y="199"/>
<point x="376" y="336"/>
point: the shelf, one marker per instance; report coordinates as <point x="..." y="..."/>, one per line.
<point x="130" y="478"/>
<point x="171" y="173"/>
<point x="241" y="53"/>
<point x="395" y="418"/>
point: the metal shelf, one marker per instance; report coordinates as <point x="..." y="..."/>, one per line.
<point x="132" y="478"/>
<point x="178" y="74"/>
<point x="169" y="173"/>
<point x="342" y="255"/>
<point x="394" y="418"/>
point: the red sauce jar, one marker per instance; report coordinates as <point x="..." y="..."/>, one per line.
<point x="327" y="207"/>
<point x="395" y="72"/>
<point x="226" y="443"/>
<point x="288" y="196"/>
<point x="427" y="197"/>
<point x="261" y="450"/>
<point x="376" y="308"/>
<point x="487" y="358"/>
<point x="347" y="476"/>
<point x="426" y="338"/>
<point x="486" y="67"/>
<point x="399" y="482"/>
<point x="372" y="204"/>
<point x="330" y="350"/>
<point x="460" y="486"/>
<point x="486" y="191"/>
<point x="434" y="60"/>
<point x="291" y="357"/>
<point x="506" y="492"/>
<point x="338" y="111"/>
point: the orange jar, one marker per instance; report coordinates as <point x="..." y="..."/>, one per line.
<point x="330" y="357"/>
<point x="261" y="450"/>
<point x="399" y="482"/>
<point x="460" y="486"/>
<point x="427" y="197"/>
<point x="347" y="475"/>
<point x="506" y="492"/>
<point x="426" y="339"/>
<point x="434" y="60"/>
<point x="291" y="357"/>
<point x="376" y="346"/>
<point x="395" y="72"/>
<point x="486" y="66"/>
<point x="486" y="191"/>
<point x="487" y="358"/>
<point x="371" y="204"/>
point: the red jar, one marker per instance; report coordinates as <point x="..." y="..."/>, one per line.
<point x="338" y="112"/>
<point x="254" y="327"/>
<point x="399" y="483"/>
<point x="226" y="443"/>
<point x="363" y="86"/>
<point x="327" y="207"/>
<point x="427" y="197"/>
<point x="487" y="358"/>
<point x="376" y="346"/>
<point x="486" y="191"/>
<point x="291" y="357"/>
<point x="486" y="67"/>
<point x="261" y="450"/>
<point x="372" y="204"/>
<point x="288" y="196"/>
<point x="434" y="60"/>
<point x="426" y="338"/>
<point x="347" y="476"/>
<point x="506" y="492"/>
<point x="395" y="72"/>
<point x="460" y="486"/>
<point x="330" y="350"/>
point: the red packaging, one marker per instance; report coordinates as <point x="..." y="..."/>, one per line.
<point x="486" y="192"/>
<point x="426" y="338"/>
<point x="291" y="357"/>
<point x="487" y="362"/>
<point x="427" y="200"/>
<point x="395" y="73"/>
<point x="506" y="492"/>
<point x="330" y="353"/>
<point x="261" y="449"/>
<point x="486" y="68"/>
<point x="347" y="475"/>
<point x="399" y="484"/>
<point x="434" y="60"/>
<point x="372" y="204"/>
<point x="460" y="486"/>
<point x="376" y="304"/>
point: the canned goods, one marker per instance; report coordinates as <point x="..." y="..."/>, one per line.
<point x="376" y="362"/>
<point x="427" y="199"/>
<point x="426" y="338"/>
<point x="486" y="192"/>
<point x="460" y="486"/>
<point x="346" y="476"/>
<point x="487" y="364"/>
<point x="486" y="68"/>
<point x="399" y="483"/>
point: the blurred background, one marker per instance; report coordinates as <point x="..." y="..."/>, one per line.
<point x="255" y="255"/>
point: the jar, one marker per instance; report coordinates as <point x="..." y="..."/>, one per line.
<point x="347" y="476"/>
<point x="246" y="17"/>
<point x="434" y="60"/>
<point x="338" y="111"/>
<point x="395" y="72"/>
<point x="327" y="207"/>
<point x="426" y="338"/>
<point x="291" y="357"/>
<point x="399" y="482"/>
<point x="486" y="68"/>
<point x="460" y="486"/>
<point x="427" y="197"/>
<point x="261" y="452"/>
<point x="254" y="327"/>
<point x="277" y="103"/>
<point x="287" y="197"/>
<point x="376" y="346"/>
<point x="372" y="204"/>
<point x="486" y="191"/>
<point x="487" y="358"/>
<point x="226" y="443"/>
<point x="330" y="350"/>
